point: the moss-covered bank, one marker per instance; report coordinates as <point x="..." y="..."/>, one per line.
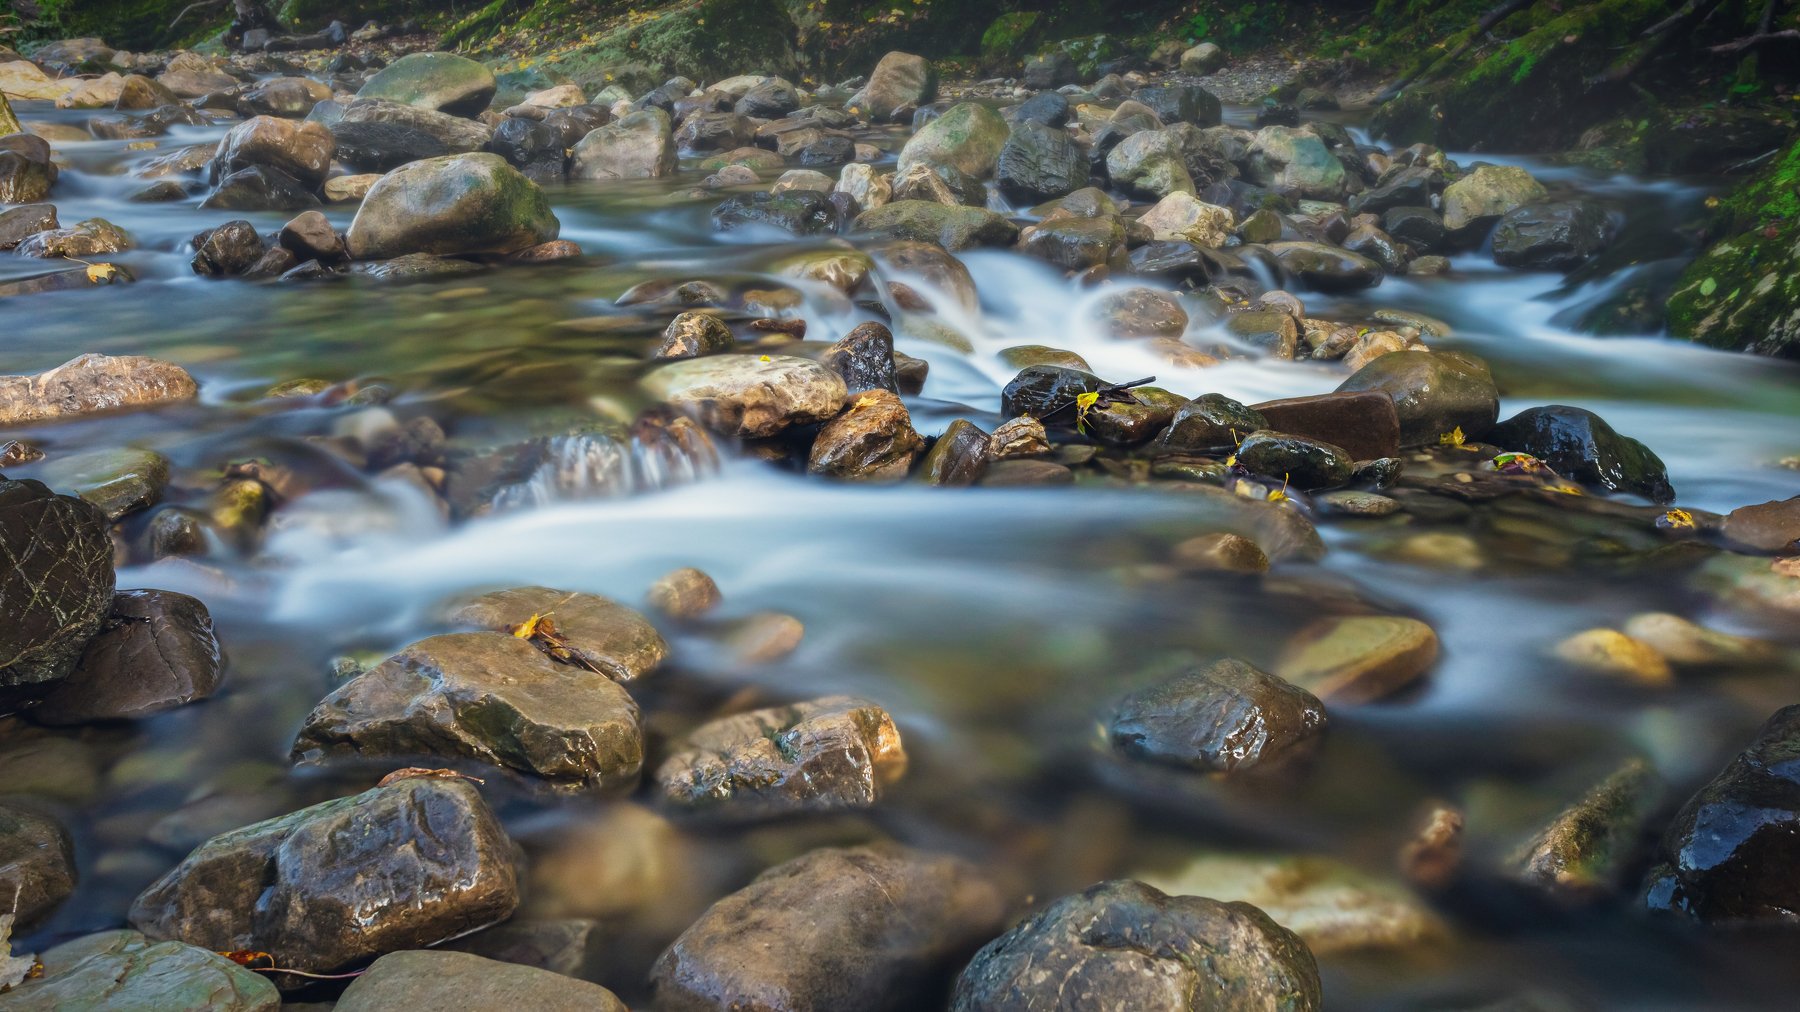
<point x="1743" y="293"/>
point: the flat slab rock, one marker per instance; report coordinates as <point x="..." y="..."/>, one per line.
<point x="156" y="651"/>
<point x="866" y="928"/>
<point x="1126" y="945"/>
<point x="1358" y="658"/>
<point x="404" y="866"/>
<point x="124" y="971"/>
<point x="487" y="696"/>
<point x="832" y="753"/>
<point x="429" y="979"/>
<point x="602" y="632"/>
<point x="749" y="396"/>
<point x="90" y="384"/>
<point x="1225" y="717"/>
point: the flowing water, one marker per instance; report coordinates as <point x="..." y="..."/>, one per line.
<point x="995" y="624"/>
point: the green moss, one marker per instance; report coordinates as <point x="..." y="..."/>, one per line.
<point x="123" y="24"/>
<point x="1011" y="36"/>
<point x="1744" y="292"/>
<point x="1773" y="196"/>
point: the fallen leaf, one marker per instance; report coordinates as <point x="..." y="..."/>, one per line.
<point x="412" y="772"/>
<point x="101" y="273"/>
<point x="1454" y="437"/>
<point x="14" y="970"/>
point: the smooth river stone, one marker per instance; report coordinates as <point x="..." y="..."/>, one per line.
<point x="1358" y="658"/>
<point x="750" y="396"/>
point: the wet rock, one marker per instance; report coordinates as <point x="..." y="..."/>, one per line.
<point x="1326" y="268"/>
<point x="1046" y="107"/>
<point x="1584" y="852"/>
<point x="1434" y="393"/>
<point x="118" y="482"/>
<point x="383" y="147"/>
<point x="764" y="637"/>
<point x="90" y="384"/>
<point x="440" y="82"/>
<point x="492" y="697"/>
<point x="123" y="970"/>
<point x="1141" y="313"/>
<point x="602" y="634"/>
<point x="862" y="928"/>
<point x="865" y="184"/>
<point x="691" y="334"/>
<point x="37" y="864"/>
<point x="1730" y="855"/>
<point x="864" y="358"/>
<point x="1612" y="654"/>
<point x="953" y="228"/>
<point x="1224" y="718"/>
<point x="1419" y="227"/>
<point x="1181" y="103"/>
<point x="95" y="237"/>
<point x="796" y="212"/>
<point x="1771" y="527"/>
<point x="1129" y="946"/>
<point x="534" y="148"/>
<point x="1406" y="187"/>
<point x="154" y="652"/>
<point x="414" y="863"/>
<point x="1553" y="235"/>
<point x="163" y="191"/>
<point x="803" y="179"/>
<point x="958" y="458"/>
<point x="435" y="979"/>
<point x="455" y="133"/>
<point x="1384" y="249"/>
<point x="1182" y="216"/>
<point x="638" y="146"/>
<point x="1475" y="202"/>
<point x="750" y="396"/>
<point x="1358" y="658"/>
<point x="1364" y="424"/>
<point x="938" y="184"/>
<point x="26" y="169"/>
<point x="873" y="440"/>
<point x="1019" y="438"/>
<point x="1210" y="422"/>
<point x="454" y="204"/>
<point x="968" y="137"/>
<point x="1273" y="331"/>
<point x="1039" y="162"/>
<point x="20" y="223"/>
<point x="259" y="188"/>
<point x="1579" y="445"/>
<point x="770" y="99"/>
<point x="1050" y="70"/>
<point x="1047" y="392"/>
<point x="286" y="97"/>
<point x="301" y="150"/>
<point x="826" y="754"/>
<point x="1295" y="160"/>
<point x="309" y="236"/>
<point x="713" y="131"/>
<point x="349" y="189"/>
<point x="1331" y="906"/>
<point x="686" y="593"/>
<point x="190" y="75"/>
<point x="828" y="151"/>
<point x="900" y="83"/>
<point x="1307" y="464"/>
<point x="1150" y="163"/>
<point x="1075" y="244"/>
<point x="415" y="267"/>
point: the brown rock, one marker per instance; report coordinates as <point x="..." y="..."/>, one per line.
<point x="1772" y="527"/>
<point x="685" y="593"/>
<point x="37" y="864"/>
<point x="1358" y="658"/>
<point x="873" y="440"/>
<point x="1364" y="423"/>
<point x="428" y="979"/>
<point x="602" y="633"/>
<point x="91" y="384"/>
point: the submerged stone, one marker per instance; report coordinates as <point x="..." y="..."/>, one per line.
<point x="1224" y="718"/>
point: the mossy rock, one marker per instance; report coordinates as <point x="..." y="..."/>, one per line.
<point x="1011" y="37"/>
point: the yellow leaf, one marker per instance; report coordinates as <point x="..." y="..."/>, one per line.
<point x="1454" y="437"/>
<point x="528" y="628"/>
<point x="100" y="273"/>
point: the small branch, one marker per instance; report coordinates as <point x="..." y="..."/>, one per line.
<point x="190" y="8"/>
<point x="1791" y="34"/>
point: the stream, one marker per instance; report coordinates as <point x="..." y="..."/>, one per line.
<point x="994" y="624"/>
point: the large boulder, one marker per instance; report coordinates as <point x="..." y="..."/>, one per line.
<point x="454" y="132"/>
<point x="1733" y="852"/>
<point x="968" y="137"/>
<point x="749" y="396"/>
<point x="1295" y="160"/>
<point x="301" y="149"/>
<point x="441" y="82"/>
<point x="381" y="146"/>
<point x="1434" y="392"/>
<point x="37" y="864"/>
<point x="869" y="928"/>
<point x="832" y="753"/>
<point x="453" y="204"/>
<point x="901" y="82"/>
<point x="600" y="634"/>
<point x="1578" y="444"/>
<point x="1551" y="235"/>
<point x="638" y="146"/>
<point x="417" y="862"/>
<point x="156" y="651"/>
<point x="488" y="696"/>
<point x="430" y="979"/>
<point x="122" y="971"/>
<point x="56" y="577"/>
<point x="1326" y="268"/>
<point x="1128" y="946"/>
<point x="1040" y="162"/>
<point x="1223" y="718"/>
<point x="1476" y="201"/>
